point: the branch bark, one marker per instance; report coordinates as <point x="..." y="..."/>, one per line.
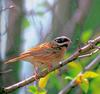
<point x="73" y="57"/>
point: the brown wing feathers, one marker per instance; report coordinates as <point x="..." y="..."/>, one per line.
<point x="21" y="57"/>
<point x="36" y="52"/>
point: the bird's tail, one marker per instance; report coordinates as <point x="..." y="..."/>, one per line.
<point x="12" y="60"/>
<point x="21" y="57"/>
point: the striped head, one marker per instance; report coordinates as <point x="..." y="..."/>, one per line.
<point x="62" y="41"/>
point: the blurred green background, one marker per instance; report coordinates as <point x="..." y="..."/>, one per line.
<point x="26" y="23"/>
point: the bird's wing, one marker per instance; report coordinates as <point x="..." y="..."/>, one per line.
<point x="38" y="51"/>
<point x="41" y="50"/>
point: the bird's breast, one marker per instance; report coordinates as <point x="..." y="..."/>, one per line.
<point x="52" y="56"/>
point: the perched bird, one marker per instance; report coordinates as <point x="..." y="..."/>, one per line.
<point x="46" y="54"/>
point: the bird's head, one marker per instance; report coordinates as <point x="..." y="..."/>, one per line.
<point x="62" y="41"/>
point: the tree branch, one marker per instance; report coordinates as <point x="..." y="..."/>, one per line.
<point x="90" y="54"/>
<point x="74" y="56"/>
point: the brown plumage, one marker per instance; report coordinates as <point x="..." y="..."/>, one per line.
<point x="48" y="53"/>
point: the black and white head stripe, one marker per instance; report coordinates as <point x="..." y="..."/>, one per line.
<point x="62" y="41"/>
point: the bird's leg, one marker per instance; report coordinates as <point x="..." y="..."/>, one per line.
<point x="49" y="66"/>
<point x="36" y="71"/>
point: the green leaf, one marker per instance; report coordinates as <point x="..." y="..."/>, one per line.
<point x="90" y="74"/>
<point x="74" y="68"/>
<point x="85" y="85"/>
<point x="68" y="78"/>
<point x="43" y="91"/>
<point x="98" y="45"/>
<point x="25" y="23"/>
<point x="32" y="89"/>
<point x="86" y="35"/>
<point x="43" y="82"/>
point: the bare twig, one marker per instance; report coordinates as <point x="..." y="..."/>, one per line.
<point x="45" y="72"/>
<point x="3" y="72"/>
<point x="95" y="61"/>
<point x="90" y="54"/>
<point x="67" y="88"/>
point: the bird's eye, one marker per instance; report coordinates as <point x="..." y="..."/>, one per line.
<point x="58" y="40"/>
<point x="61" y="40"/>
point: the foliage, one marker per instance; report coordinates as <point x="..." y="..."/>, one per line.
<point x="89" y="81"/>
<point x="82" y="80"/>
<point x="35" y="90"/>
<point x="43" y="82"/>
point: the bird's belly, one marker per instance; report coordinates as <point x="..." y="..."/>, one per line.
<point x="49" y="59"/>
<point x="46" y="59"/>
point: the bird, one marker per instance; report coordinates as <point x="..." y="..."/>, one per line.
<point x="46" y="54"/>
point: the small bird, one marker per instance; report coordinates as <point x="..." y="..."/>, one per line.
<point x="46" y="54"/>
